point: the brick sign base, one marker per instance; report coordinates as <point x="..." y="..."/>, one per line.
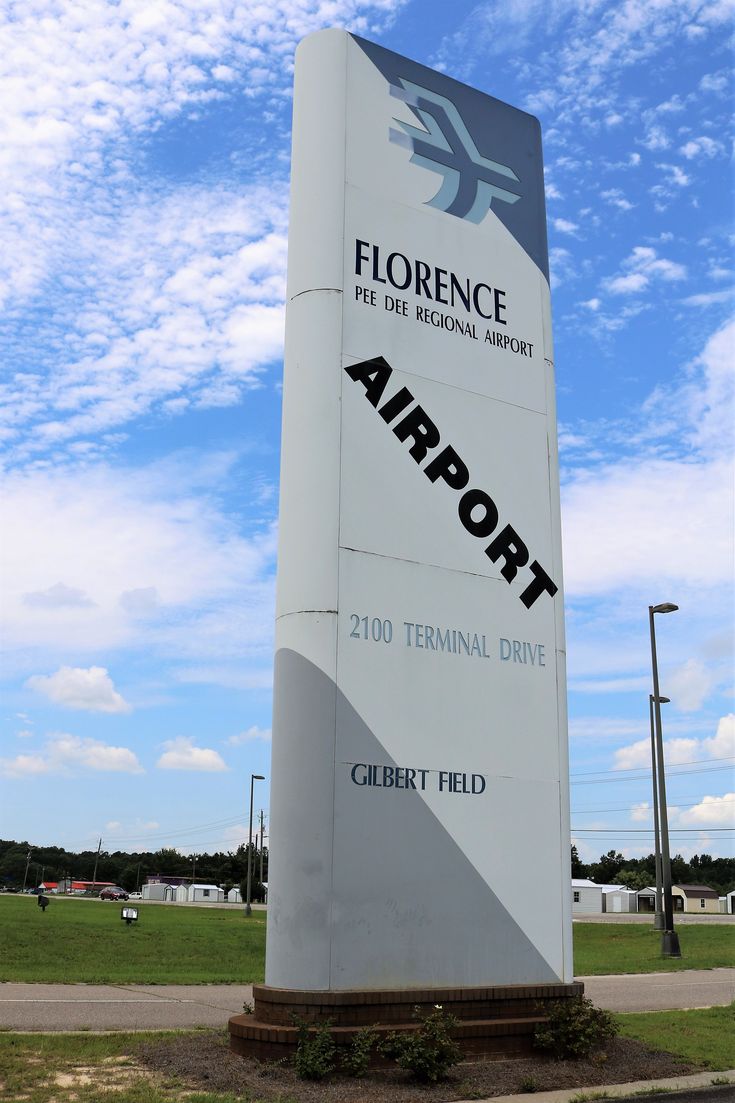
<point x="493" y="1022"/>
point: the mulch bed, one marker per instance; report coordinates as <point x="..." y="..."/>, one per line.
<point x="203" y="1060"/>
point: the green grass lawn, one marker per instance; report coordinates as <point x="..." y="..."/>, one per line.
<point x="601" y="948"/>
<point x="86" y="941"/>
<point x="706" y="1036"/>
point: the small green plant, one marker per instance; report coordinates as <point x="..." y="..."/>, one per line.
<point x="573" y="1028"/>
<point x="528" y="1084"/>
<point x="315" y="1050"/>
<point x="356" y="1058"/>
<point x="718" y="1081"/>
<point x="429" y="1052"/>
<point x="248" y="1008"/>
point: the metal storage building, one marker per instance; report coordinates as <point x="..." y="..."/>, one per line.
<point x="586" y="897"/>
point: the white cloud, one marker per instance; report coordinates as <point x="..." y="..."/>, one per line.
<point x="80" y="78"/>
<point x="76" y="688"/>
<point x="65" y="754"/>
<point x="722" y="745"/>
<point x="642" y="266"/>
<point x="191" y="325"/>
<point x="641" y="813"/>
<point x="638" y="755"/>
<point x="702" y="147"/>
<point x="689" y="685"/>
<point x="57" y="596"/>
<point x="203" y="586"/>
<point x="652" y="546"/>
<point x="615" y="198"/>
<point x="253" y="734"/>
<point x="710" y="812"/>
<point x="564" y="226"/>
<point x="181" y="754"/>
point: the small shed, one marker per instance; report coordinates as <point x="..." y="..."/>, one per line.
<point x="616" y="898"/>
<point x="157" y="891"/>
<point x="181" y="894"/>
<point x="695" y="898"/>
<point x="729" y="903"/>
<point x="206" y="894"/>
<point x="234" y="896"/>
<point x="586" y="897"/>
<point x="647" y="900"/>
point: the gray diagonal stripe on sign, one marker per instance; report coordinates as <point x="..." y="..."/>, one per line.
<point x="407" y="903"/>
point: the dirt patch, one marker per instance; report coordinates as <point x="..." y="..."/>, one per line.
<point x="204" y="1060"/>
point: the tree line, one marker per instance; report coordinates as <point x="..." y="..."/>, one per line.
<point x="639" y="873"/>
<point x="131" y="870"/>
<point x="24" y="862"/>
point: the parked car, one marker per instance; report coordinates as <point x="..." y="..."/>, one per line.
<point x="113" y="892"/>
<point x="135" y="896"/>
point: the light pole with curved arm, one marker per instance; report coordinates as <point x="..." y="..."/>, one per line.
<point x="669" y="938"/>
<point x="248" y="908"/>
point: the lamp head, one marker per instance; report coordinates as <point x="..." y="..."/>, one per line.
<point x="665" y="607"/>
<point x="257" y="777"/>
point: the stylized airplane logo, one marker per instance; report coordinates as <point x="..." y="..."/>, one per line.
<point x="446" y="146"/>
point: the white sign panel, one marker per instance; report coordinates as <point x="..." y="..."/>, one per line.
<point x="419" y="801"/>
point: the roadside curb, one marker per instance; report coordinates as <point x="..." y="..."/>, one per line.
<point x="612" y="1091"/>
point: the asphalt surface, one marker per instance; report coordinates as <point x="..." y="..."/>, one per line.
<point x="51" y="1007"/>
<point x="662" y="991"/>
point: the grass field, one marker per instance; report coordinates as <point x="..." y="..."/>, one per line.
<point x="706" y="1036"/>
<point x="86" y="941"/>
<point x="601" y="948"/>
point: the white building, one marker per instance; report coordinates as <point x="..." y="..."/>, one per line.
<point x="206" y="894"/>
<point x="182" y="894"/>
<point x="158" y="891"/>
<point x="233" y="896"/>
<point x="586" y="897"/>
<point x="616" y="898"/>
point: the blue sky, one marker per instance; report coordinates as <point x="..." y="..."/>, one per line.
<point x="142" y="279"/>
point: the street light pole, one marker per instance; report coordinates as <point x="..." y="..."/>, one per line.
<point x="669" y="938"/>
<point x="658" y="920"/>
<point x="248" y="908"/>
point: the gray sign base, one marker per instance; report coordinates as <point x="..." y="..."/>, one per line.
<point x="494" y="1022"/>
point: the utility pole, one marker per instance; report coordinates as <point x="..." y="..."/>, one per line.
<point x="137" y="878"/>
<point x="96" y="860"/>
<point x="262" y="829"/>
<point x="25" y="875"/>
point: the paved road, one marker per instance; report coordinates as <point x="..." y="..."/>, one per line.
<point x="50" y="1007"/>
<point x="662" y="991"/>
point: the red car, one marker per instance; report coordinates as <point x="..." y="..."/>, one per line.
<point x="113" y="893"/>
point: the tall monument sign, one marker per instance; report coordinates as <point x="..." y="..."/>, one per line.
<point x="419" y="799"/>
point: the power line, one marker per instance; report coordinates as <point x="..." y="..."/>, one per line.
<point x="633" y="769"/>
<point x="599" y="811"/>
<point x="671" y="772"/>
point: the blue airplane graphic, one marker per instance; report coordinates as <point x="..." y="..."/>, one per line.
<point x="446" y="146"/>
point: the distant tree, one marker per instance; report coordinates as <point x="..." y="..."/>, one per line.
<point x="578" y="867"/>
<point x="631" y="879"/>
<point x="607" y="868"/>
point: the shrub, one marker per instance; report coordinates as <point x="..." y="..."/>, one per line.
<point x="429" y="1052"/>
<point x="573" y="1028"/>
<point x="315" y="1050"/>
<point x="356" y="1058"/>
